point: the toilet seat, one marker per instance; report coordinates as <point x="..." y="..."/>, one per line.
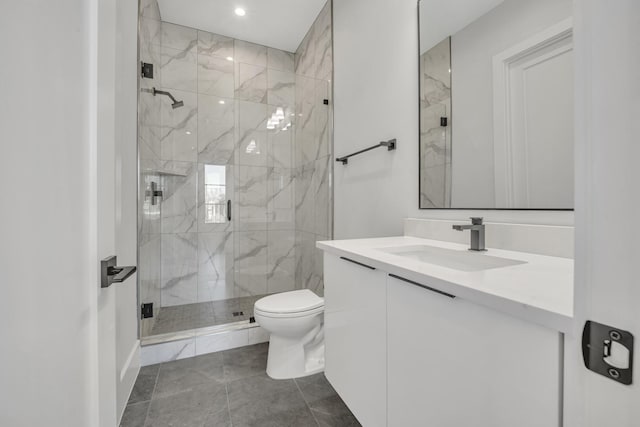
<point x="290" y="304"/>
<point x="289" y="315"/>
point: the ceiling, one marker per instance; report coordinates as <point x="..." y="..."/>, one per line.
<point x="281" y="24"/>
<point x="443" y="18"/>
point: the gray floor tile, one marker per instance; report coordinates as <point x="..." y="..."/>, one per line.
<point x="262" y="401"/>
<point x="345" y="419"/>
<point x="332" y="412"/>
<point x="217" y="389"/>
<point x="135" y="415"/>
<point x="327" y="407"/>
<point x="145" y="383"/>
<point x="185" y="374"/>
<point x="191" y="408"/>
<point x="245" y="362"/>
<point x="218" y="419"/>
<point x="315" y="387"/>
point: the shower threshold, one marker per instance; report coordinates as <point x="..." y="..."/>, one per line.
<point x="204" y="318"/>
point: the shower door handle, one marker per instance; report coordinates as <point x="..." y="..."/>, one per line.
<point x="229" y="210"/>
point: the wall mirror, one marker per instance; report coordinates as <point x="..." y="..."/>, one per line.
<point x="496" y="104"/>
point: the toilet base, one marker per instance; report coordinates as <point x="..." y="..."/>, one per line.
<point x="294" y="358"/>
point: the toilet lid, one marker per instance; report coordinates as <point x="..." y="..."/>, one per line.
<point x="290" y="302"/>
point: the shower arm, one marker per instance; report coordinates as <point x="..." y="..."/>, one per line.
<point x="155" y="92"/>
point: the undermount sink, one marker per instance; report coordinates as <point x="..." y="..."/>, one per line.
<point x="451" y="258"/>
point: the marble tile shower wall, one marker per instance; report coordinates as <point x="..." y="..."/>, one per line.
<point x="230" y="90"/>
<point x="278" y="180"/>
<point x="313" y="150"/>
<point x="435" y="140"/>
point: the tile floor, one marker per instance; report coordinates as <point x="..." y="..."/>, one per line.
<point x="202" y="314"/>
<point x="230" y="388"/>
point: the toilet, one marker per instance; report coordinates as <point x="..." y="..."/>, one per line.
<point x="295" y="321"/>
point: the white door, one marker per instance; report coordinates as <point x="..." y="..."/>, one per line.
<point x="113" y="127"/>
<point x="533" y="121"/>
<point x="607" y="49"/>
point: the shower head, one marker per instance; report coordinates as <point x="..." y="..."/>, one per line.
<point x="175" y="103"/>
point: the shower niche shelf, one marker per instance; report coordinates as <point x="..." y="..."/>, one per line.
<point x="163" y="172"/>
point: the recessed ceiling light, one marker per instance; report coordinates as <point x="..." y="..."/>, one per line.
<point x="229" y="58"/>
<point x="240" y="11"/>
<point x="221" y="102"/>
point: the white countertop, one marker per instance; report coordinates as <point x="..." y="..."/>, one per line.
<point x="540" y="290"/>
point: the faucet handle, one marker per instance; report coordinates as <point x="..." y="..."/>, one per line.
<point x="476" y="220"/>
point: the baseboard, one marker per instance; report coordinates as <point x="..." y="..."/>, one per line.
<point x="132" y="368"/>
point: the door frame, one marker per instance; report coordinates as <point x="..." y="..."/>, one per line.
<point x="607" y="125"/>
<point x="111" y="69"/>
<point x="507" y="193"/>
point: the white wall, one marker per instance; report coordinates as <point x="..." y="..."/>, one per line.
<point x="607" y="42"/>
<point x="47" y="309"/>
<point x="127" y="343"/>
<point x="472" y="51"/>
<point x="376" y="97"/>
<point x="447" y="17"/>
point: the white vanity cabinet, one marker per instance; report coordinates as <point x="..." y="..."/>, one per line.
<point x="356" y="337"/>
<point x="453" y="363"/>
<point x="400" y="354"/>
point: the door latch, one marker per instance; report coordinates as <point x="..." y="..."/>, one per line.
<point x="111" y="273"/>
<point x="608" y="351"/>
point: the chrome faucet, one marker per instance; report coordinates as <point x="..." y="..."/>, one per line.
<point x="477" y="233"/>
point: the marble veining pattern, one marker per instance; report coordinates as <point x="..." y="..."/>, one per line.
<point x="252" y="198"/>
<point x="281" y="260"/>
<point x="251" y="263"/>
<point x="215" y="45"/>
<point x="215" y="266"/>
<point x="435" y="140"/>
<point x="279" y="149"/>
<point x="179" y="269"/>
<point x="178" y="211"/>
<point x="313" y="154"/>
<point x="179" y="69"/>
<point x="281" y="88"/>
<point x="179" y="37"/>
<point x="179" y="128"/>
<point x="280" y="199"/>
<point x="280" y="60"/>
<point x="251" y="84"/>
<point x="216" y="132"/>
<point x="278" y="179"/>
<point x="250" y="53"/>
<point x="215" y="76"/>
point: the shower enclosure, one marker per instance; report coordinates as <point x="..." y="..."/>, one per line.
<point x="235" y="167"/>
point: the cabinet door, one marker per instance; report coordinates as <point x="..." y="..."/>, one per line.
<point x="452" y="363"/>
<point x="355" y="337"/>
